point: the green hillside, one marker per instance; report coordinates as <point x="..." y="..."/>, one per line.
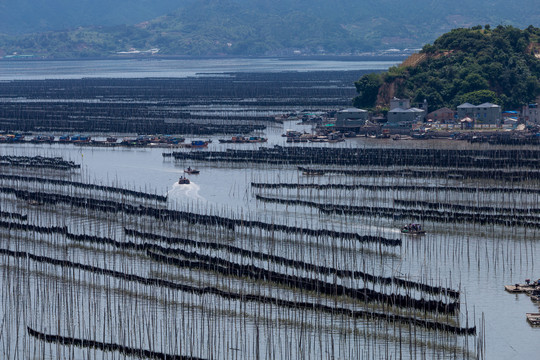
<point x="499" y="65"/>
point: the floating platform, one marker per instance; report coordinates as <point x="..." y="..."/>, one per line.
<point x="519" y="288"/>
<point x="533" y="319"/>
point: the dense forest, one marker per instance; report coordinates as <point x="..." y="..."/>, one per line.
<point x="241" y="27"/>
<point x="500" y="65"/>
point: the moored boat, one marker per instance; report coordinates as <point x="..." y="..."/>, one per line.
<point x="197" y="144"/>
<point x="40" y="139"/>
<point x="533" y="318"/>
<point x="257" y="139"/>
<point x="80" y="139"/>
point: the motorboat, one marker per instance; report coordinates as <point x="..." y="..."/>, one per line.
<point x="183" y="180"/>
<point x="191" y="171"/>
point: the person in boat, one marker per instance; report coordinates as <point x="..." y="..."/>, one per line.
<point x="189" y="168"/>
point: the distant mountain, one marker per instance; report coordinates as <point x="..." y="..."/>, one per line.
<point x="30" y="16"/>
<point x="274" y="27"/>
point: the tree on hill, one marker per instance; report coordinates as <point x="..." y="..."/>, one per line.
<point x="368" y="88"/>
<point x="468" y="65"/>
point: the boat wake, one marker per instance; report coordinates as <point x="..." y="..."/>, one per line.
<point x="185" y="190"/>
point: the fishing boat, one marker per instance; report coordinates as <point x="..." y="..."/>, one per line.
<point x="191" y="171"/>
<point x="197" y="144"/>
<point x="183" y="180"/>
<point x="413" y="229"/>
<point x="80" y="139"/>
<point x="257" y="139"/>
<point x="243" y="140"/>
<point x="238" y="139"/>
<point x="40" y="139"/>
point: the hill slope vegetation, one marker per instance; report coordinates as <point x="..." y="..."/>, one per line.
<point x="475" y="65"/>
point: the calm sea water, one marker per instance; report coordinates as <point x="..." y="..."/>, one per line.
<point x="478" y="260"/>
<point x="31" y="70"/>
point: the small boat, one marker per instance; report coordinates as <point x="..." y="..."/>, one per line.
<point x="534" y="294"/>
<point x="197" y="144"/>
<point x="191" y="171"/>
<point x="257" y="139"/>
<point x="40" y="139"/>
<point x="413" y="229"/>
<point x="183" y="180"/>
<point x="80" y="139"/>
<point x="313" y="173"/>
<point x="238" y="139"/>
<point x="533" y="318"/>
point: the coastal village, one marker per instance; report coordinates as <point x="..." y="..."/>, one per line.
<point x="404" y="120"/>
<point x="485" y="122"/>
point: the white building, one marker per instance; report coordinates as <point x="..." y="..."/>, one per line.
<point x="531" y="113"/>
<point x="351" y="117"/>
<point x="486" y="113"/>
<point x="405" y="116"/>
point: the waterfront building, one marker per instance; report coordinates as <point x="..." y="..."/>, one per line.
<point x="405" y="117"/>
<point x="351" y="117"/>
<point x="531" y="113"/>
<point x="486" y="113"/>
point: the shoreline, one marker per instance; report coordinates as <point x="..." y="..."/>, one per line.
<point x="350" y="58"/>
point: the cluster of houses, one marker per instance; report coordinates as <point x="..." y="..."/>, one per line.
<point x="467" y="116"/>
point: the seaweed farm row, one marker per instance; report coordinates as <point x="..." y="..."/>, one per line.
<point x="174" y="215"/>
<point x="38" y="162"/>
<point x="83" y="185"/>
<point x="395" y="187"/>
<point x="432" y="212"/>
<point x="499" y="159"/>
<point x="238" y="103"/>
<point x="100" y="271"/>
